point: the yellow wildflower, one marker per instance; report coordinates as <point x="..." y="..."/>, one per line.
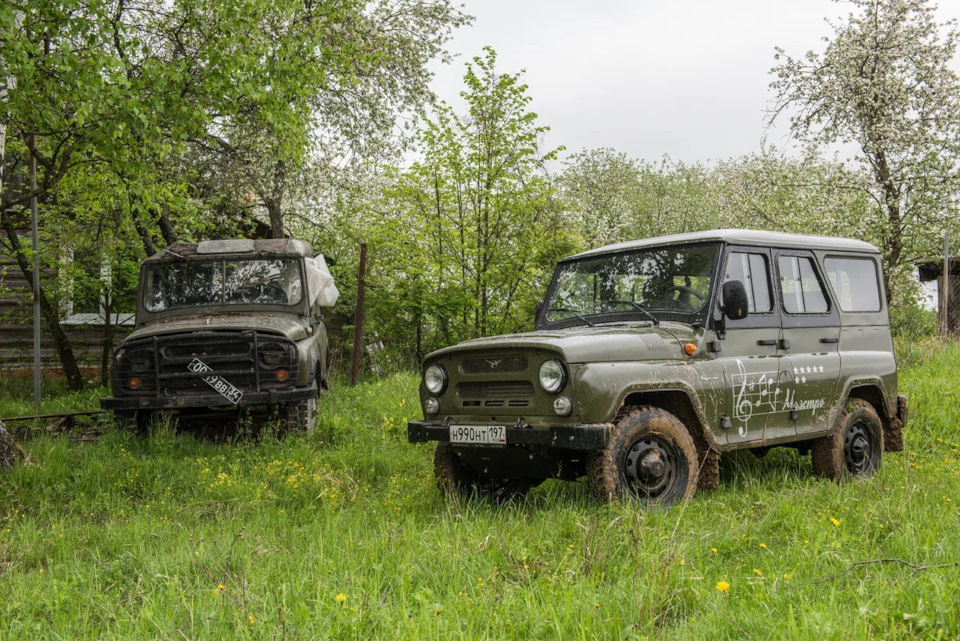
<point x="834" y="521"/>
<point x="723" y="586"/>
<point x="341" y="597"/>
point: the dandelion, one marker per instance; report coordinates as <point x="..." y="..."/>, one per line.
<point x="763" y="546"/>
<point x="341" y="597"/>
<point x="682" y="562"/>
<point x="221" y="587"/>
<point x="251" y="619"/>
<point x="757" y="572"/>
<point x="723" y="586"/>
<point x="835" y="521"/>
<point x="596" y="605"/>
<point x="714" y="550"/>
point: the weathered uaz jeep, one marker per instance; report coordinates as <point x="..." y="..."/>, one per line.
<point x="225" y="324"/>
<point x="650" y="359"/>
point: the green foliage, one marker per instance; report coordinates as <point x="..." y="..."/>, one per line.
<point x="465" y="240"/>
<point x="614" y="198"/>
<point x="131" y="538"/>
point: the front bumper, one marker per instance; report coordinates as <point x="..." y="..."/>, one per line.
<point x="187" y="401"/>
<point x="564" y="437"/>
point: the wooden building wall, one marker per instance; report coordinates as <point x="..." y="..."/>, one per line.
<point x="16" y="328"/>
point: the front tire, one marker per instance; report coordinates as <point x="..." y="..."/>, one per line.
<point x="298" y="416"/>
<point x="459" y="481"/>
<point x="855" y="448"/>
<point x="650" y="458"/>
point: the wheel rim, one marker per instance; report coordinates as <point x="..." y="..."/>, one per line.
<point x="858" y="449"/>
<point x="653" y="469"/>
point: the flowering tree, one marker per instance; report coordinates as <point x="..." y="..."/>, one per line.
<point x="883" y="83"/>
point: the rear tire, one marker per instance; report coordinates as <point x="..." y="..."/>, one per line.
<point x="855" y="448"/>
<point x="650" y="458"/>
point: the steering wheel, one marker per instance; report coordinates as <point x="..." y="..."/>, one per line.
<point x="689" y="290"/>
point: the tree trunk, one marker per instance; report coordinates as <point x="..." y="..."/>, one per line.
<point x="107" y="352"/>
<point x="10" y="453"/>
<point x="276" y="217"/>
<point x="61" y="342"/>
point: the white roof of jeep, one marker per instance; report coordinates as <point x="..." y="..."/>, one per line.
<point x="749" y="237"/>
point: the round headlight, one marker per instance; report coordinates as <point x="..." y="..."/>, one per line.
<point x="562" y="406"/>
<point x="553" y="376"/>
<point x="431" y="406"/>
<point x="272" y="354"/>
<point x="435" y="378"/>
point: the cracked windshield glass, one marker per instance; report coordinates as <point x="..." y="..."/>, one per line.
<point x="237" y="282"/>
<point x="666" y="282"/>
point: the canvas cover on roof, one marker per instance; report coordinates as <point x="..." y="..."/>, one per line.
<point x="323" y="291"/>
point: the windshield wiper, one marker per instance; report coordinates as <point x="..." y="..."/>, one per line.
<point x="570" y="311"/>
<point x="639" y="308"/>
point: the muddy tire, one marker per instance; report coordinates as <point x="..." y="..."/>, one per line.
<point x="298" y="416"/>
<point x="459" y="481"/>
<point x="136" y="421"/>
<point x="650" y="458"/>
<point x="855" y="448"/>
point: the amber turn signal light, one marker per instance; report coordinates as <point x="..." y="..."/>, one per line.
<point x="134" y="383"/>
<point x="282" y="375"/>
<point x="690" y="348"/>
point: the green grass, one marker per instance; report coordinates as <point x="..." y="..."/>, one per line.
<point x="171" y="537"/>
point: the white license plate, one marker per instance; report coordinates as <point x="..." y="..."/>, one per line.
<point x="226" y="389"/>
<point x="479" y="434"/>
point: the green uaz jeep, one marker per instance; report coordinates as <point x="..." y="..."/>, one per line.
<point x="225" y="324"/>
<point x="651" y="358"/>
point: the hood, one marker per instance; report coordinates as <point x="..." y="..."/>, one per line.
<point x="289" y="325"/>
<point x="602" y="343"/>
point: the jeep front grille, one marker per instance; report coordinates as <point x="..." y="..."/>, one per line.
<point x="505" y="390"/>
<point x="160" y="362"/>
<point x="495" y="365"/>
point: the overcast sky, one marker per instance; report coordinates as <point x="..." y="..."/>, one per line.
<point x="686" y="78"/>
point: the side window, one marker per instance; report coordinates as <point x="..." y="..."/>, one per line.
<point x="801" y="289"/>
<point x="855" y="283"/>
<point x="751" y="270"/>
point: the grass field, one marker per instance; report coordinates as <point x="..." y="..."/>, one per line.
<point x="342" y="535"/>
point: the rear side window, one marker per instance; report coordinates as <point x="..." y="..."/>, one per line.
<point x="855" y="282"/>
<point x="751" y="270"/>
<point x="801" y="289"/>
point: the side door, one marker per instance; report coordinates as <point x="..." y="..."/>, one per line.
<point x="811" y="333"/>
<point x="751" y="351"/>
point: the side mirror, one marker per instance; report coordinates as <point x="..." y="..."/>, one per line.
<point x="735" y="301"/>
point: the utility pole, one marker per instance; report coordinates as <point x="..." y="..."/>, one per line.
<point x="946" y="284"/>
<point x="358" y="318"/>
<point x="36" y="275"/>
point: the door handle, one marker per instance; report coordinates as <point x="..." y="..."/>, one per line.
<point x="784" y="343"/>
<point x="830" y="339"/>
<point x="767" y="341"/>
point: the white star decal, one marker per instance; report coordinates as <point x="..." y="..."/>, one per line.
<point x="794" y="371"/>
<point x="821" y="368"/>
<point x="803" y="379"/>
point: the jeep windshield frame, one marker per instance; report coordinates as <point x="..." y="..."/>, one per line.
<point x="231" y="282"/>
<point x="673" y="282"/>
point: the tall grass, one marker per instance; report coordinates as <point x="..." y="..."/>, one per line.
<point x="341" y="534"/>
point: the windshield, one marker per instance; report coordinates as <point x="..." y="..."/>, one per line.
<point x="672" y="282"/>
<point x="218" y="282"/>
